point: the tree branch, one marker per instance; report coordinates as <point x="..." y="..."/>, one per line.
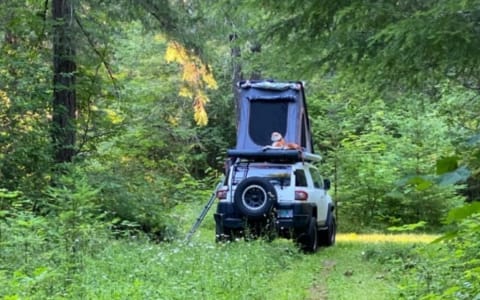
<point x="84" y="138"/>
<point x="102" y="58"/>
<point x="164" y="16"/>
<point x="44" y="17"/>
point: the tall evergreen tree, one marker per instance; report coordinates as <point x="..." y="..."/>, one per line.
<point x="64" y="93"/>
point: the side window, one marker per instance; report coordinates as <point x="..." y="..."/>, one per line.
<point x="300" y="178"/>
<point x="317" y="178"/>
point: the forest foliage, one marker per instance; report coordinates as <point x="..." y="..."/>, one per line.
<point x="393" y="96"/>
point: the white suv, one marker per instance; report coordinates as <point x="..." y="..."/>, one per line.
<point x="286" y="198"/>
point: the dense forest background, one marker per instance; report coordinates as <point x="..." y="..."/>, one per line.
<point x="115" y="113"/>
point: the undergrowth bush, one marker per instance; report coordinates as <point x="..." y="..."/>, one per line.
<point x="42" y="252"/>
<point x="449" y="269"/>
<point x="136" y="268"/>
<point x="406" y="205"/>
<point x="141" y="199"/>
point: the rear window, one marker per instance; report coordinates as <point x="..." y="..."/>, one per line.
<point x="277" y="175"/>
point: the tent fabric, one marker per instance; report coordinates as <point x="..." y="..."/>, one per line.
<point x="268" y="106"/>
<point x="270" y="85"/>
<point x="265" y="118"/>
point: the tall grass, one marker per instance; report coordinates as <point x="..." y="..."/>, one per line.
<point x="179" y="271"/>
<point x="139" y="269"/>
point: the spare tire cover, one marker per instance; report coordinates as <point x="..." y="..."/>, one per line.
<point x="254" y="197"/>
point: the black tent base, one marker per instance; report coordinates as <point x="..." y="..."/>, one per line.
<point x="287" y="155"/>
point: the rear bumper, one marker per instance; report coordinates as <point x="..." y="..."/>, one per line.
<point x="227" y="217"/>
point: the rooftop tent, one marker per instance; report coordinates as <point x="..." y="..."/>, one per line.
<point x="269" y="106"/>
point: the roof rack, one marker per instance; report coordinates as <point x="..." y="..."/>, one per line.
<point x="274" y="155"/>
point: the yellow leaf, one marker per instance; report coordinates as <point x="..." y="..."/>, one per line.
<point x="175" y="52"/>
<point x="113" y="116"/>
<point x="196" y="77"/>
<point x="210" y="81"/>
<point x="125" y="159"/>
<point x="170" y="54"/>
<point x="200" y="116"/>
<point x="185" y="92"/>
<point x="148" y="178"/>
<point x="190" y="73"/>
<point x="159" y="38"/>
<point x="4" y="100"/>
<point x="173" y="120"/>
<point x="201" y="99"/>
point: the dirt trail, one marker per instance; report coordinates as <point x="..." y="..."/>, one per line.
<point x="319" y="290"/>
<point x="344" y="273"/>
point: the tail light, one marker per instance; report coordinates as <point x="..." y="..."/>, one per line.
<point x="221" y="193"/>
<point x="301" y="195"/>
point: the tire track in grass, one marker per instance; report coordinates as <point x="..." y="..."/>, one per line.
<point x="319" y="289"/>
<point x="346" y="274"/>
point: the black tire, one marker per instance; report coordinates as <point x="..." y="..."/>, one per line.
<point x="308" y="241"/>
<point x="255" y="197"/>
<point x="327" y="237"/>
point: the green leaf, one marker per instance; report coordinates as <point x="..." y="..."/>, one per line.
<point x="4" y="193"/>
<point x="460" y="213"/>
<point x="447" y="164"/>
<point x="421" y="183"/>
<point x="408" y="227"/>
<point x="445" y="237"/>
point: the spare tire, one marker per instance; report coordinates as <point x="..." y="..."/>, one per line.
<point x="254" y="197"/>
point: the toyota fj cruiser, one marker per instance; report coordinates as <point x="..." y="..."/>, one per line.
<point x="273" y="192"/>
<point x="271" y="198"/>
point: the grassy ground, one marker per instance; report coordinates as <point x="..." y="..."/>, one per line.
<point x="352" y="268"/>
<point x="240" y="270"/>
<point x="358" y="267"/>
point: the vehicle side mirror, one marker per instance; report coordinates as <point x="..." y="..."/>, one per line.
<point x="326" y="184"/>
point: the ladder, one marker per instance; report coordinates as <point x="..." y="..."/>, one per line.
<point x="204" y="212"/>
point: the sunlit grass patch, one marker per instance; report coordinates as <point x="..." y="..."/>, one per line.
<point x="383" y="238"/>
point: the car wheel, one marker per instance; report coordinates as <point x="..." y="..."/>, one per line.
<point x="254" y="197"/>
<point x="327" y="237"/>
<point x="308" y="241"/>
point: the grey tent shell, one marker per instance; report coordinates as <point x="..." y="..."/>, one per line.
<point x="269" y="106"/>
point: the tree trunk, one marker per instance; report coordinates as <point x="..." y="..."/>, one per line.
<point x="64" y="98"/>
<point x="256" y="72"/>
<point x="236" y="73"/>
